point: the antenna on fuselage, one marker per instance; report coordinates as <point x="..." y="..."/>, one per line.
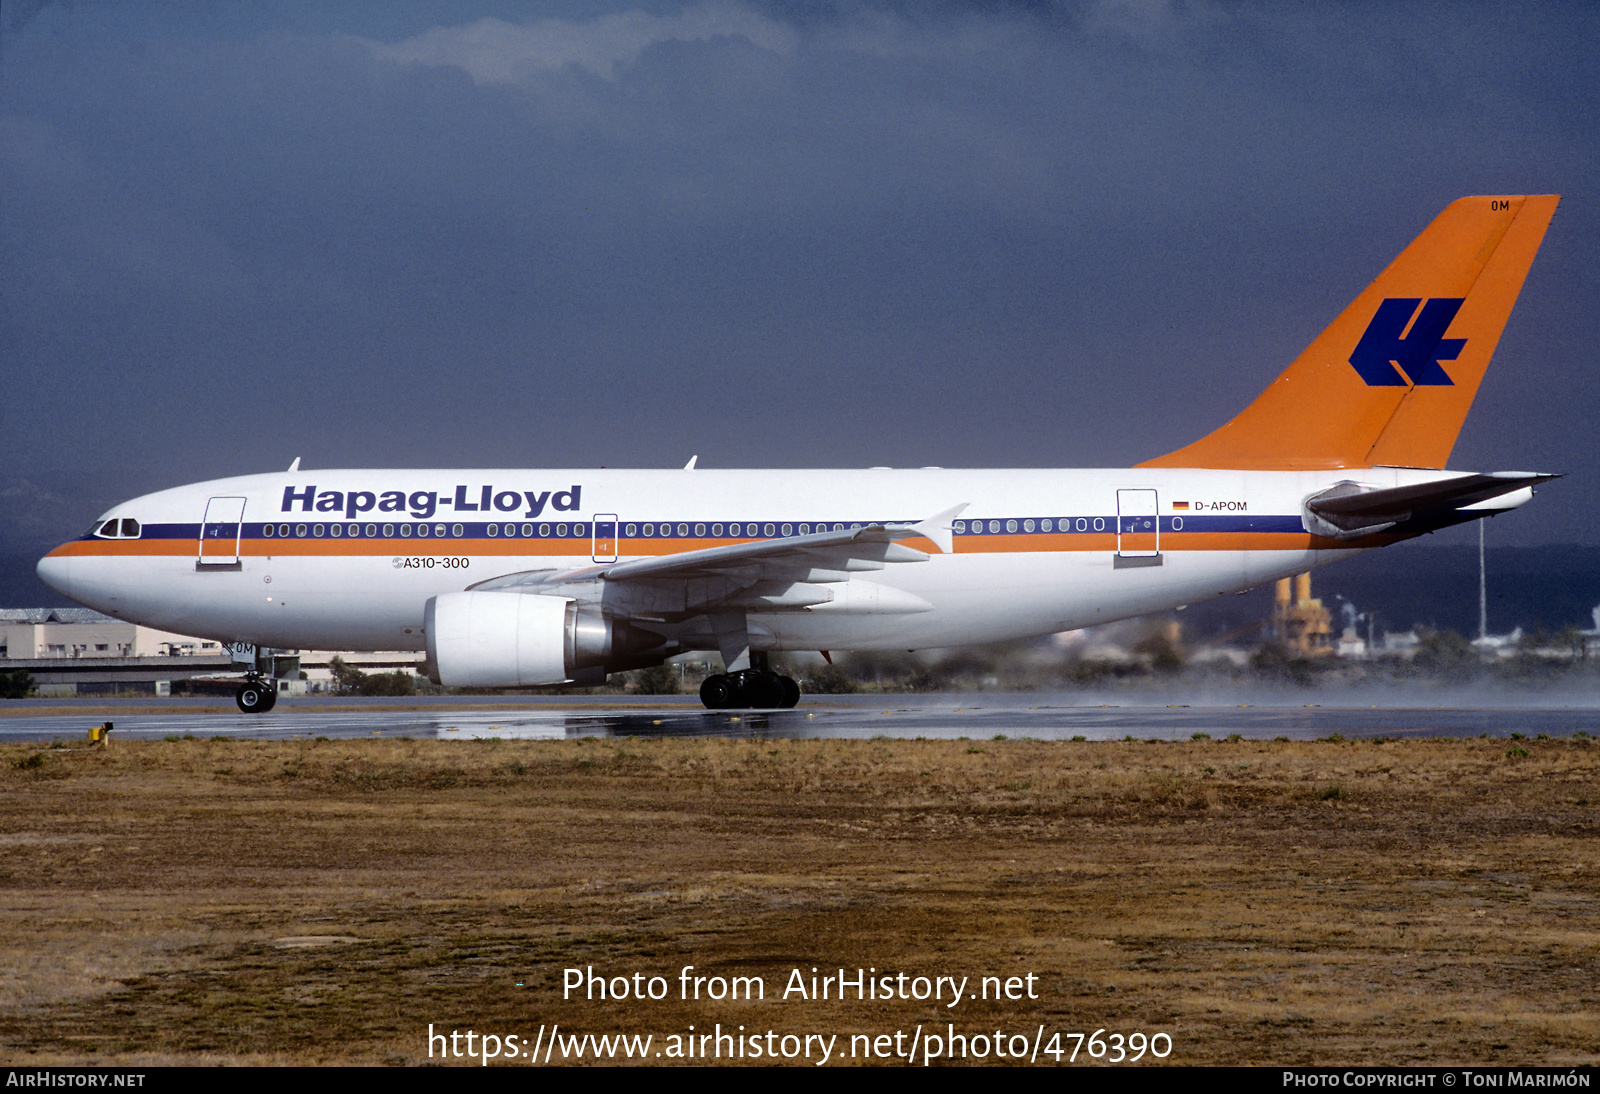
<point x="690" y="465"/>
<point x="295" y="466"/>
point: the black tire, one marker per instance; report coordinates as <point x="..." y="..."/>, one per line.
<point x="717" y="692"/>
<point x="272" y="698"/>
<point x="765" y="690"/>
<point x="255" y="698"/>
<point x="791" y="692"/>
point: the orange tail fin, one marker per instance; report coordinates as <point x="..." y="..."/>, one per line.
<point x="1391" y="380"/>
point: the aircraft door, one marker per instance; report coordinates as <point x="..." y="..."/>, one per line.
<point x="1138" y="524"/>
<point x="220" y="532"/>
<point x="605" y="537"/>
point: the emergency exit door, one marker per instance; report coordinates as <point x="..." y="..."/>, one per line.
<point x="1138" y="525"/>
<point x="605" y="537"/>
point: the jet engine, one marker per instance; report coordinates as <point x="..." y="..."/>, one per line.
<point x="508" y="640"/>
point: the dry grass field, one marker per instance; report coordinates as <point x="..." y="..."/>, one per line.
<point x="209" y="900"/>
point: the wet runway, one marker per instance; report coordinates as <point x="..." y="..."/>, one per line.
<point x="1043" y="717"/>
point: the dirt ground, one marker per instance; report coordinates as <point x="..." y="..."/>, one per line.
<point x="212" y="900"/>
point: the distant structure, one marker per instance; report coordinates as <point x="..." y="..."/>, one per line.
<point x="1299" y="621"/>
<point x="38" y="633"/>
<point x="78" y="651"/>
<point x="1351" y="645"/>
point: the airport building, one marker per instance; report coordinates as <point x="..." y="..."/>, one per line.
<point x="78" y="651"/>
<point x="28" y="634"/>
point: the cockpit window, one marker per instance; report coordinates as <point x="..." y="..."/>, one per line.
<point x="120" y="528"/>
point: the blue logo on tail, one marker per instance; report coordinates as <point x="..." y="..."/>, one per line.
<point x="1418" y="353"/>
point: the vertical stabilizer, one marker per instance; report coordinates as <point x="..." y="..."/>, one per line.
<point x="1391" y="380"/>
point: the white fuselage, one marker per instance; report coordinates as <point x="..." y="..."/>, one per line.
<point x="338" y="559"/>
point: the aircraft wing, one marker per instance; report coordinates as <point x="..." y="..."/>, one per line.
<point x="1347" y="510"/>
<point x="770" y="573"/>
<point x="872" y="543"/>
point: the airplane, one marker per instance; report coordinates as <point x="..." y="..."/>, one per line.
<point x="516" y="578"/>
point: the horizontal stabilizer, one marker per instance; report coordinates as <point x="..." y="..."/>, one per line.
<point x="1348" y="510"/>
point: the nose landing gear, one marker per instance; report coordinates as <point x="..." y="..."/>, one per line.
<point x="256" y="695"/>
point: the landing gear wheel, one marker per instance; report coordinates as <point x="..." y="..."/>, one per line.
<point x="255" y="697"/>
<point x="791" y="692"/>
<point x="764" y="689"/>
<point x="750" y="688"/>
<point x="717" y="693"/>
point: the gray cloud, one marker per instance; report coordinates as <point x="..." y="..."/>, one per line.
<point x="493" y="51"/>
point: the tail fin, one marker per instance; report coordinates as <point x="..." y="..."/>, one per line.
<point x="1383" y="385"/>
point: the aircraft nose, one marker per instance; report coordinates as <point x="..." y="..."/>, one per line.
<point x="56" y="571"/>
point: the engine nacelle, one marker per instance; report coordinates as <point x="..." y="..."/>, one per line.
<point x="508" y="640"/>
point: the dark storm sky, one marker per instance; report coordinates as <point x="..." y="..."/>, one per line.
<point x="498" y="234"/>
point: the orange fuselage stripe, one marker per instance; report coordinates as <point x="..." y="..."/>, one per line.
<point x="1021" y="543"/>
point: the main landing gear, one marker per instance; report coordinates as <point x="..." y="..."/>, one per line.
<point x="256" y="695"/>
<point x="750" y="688"/>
